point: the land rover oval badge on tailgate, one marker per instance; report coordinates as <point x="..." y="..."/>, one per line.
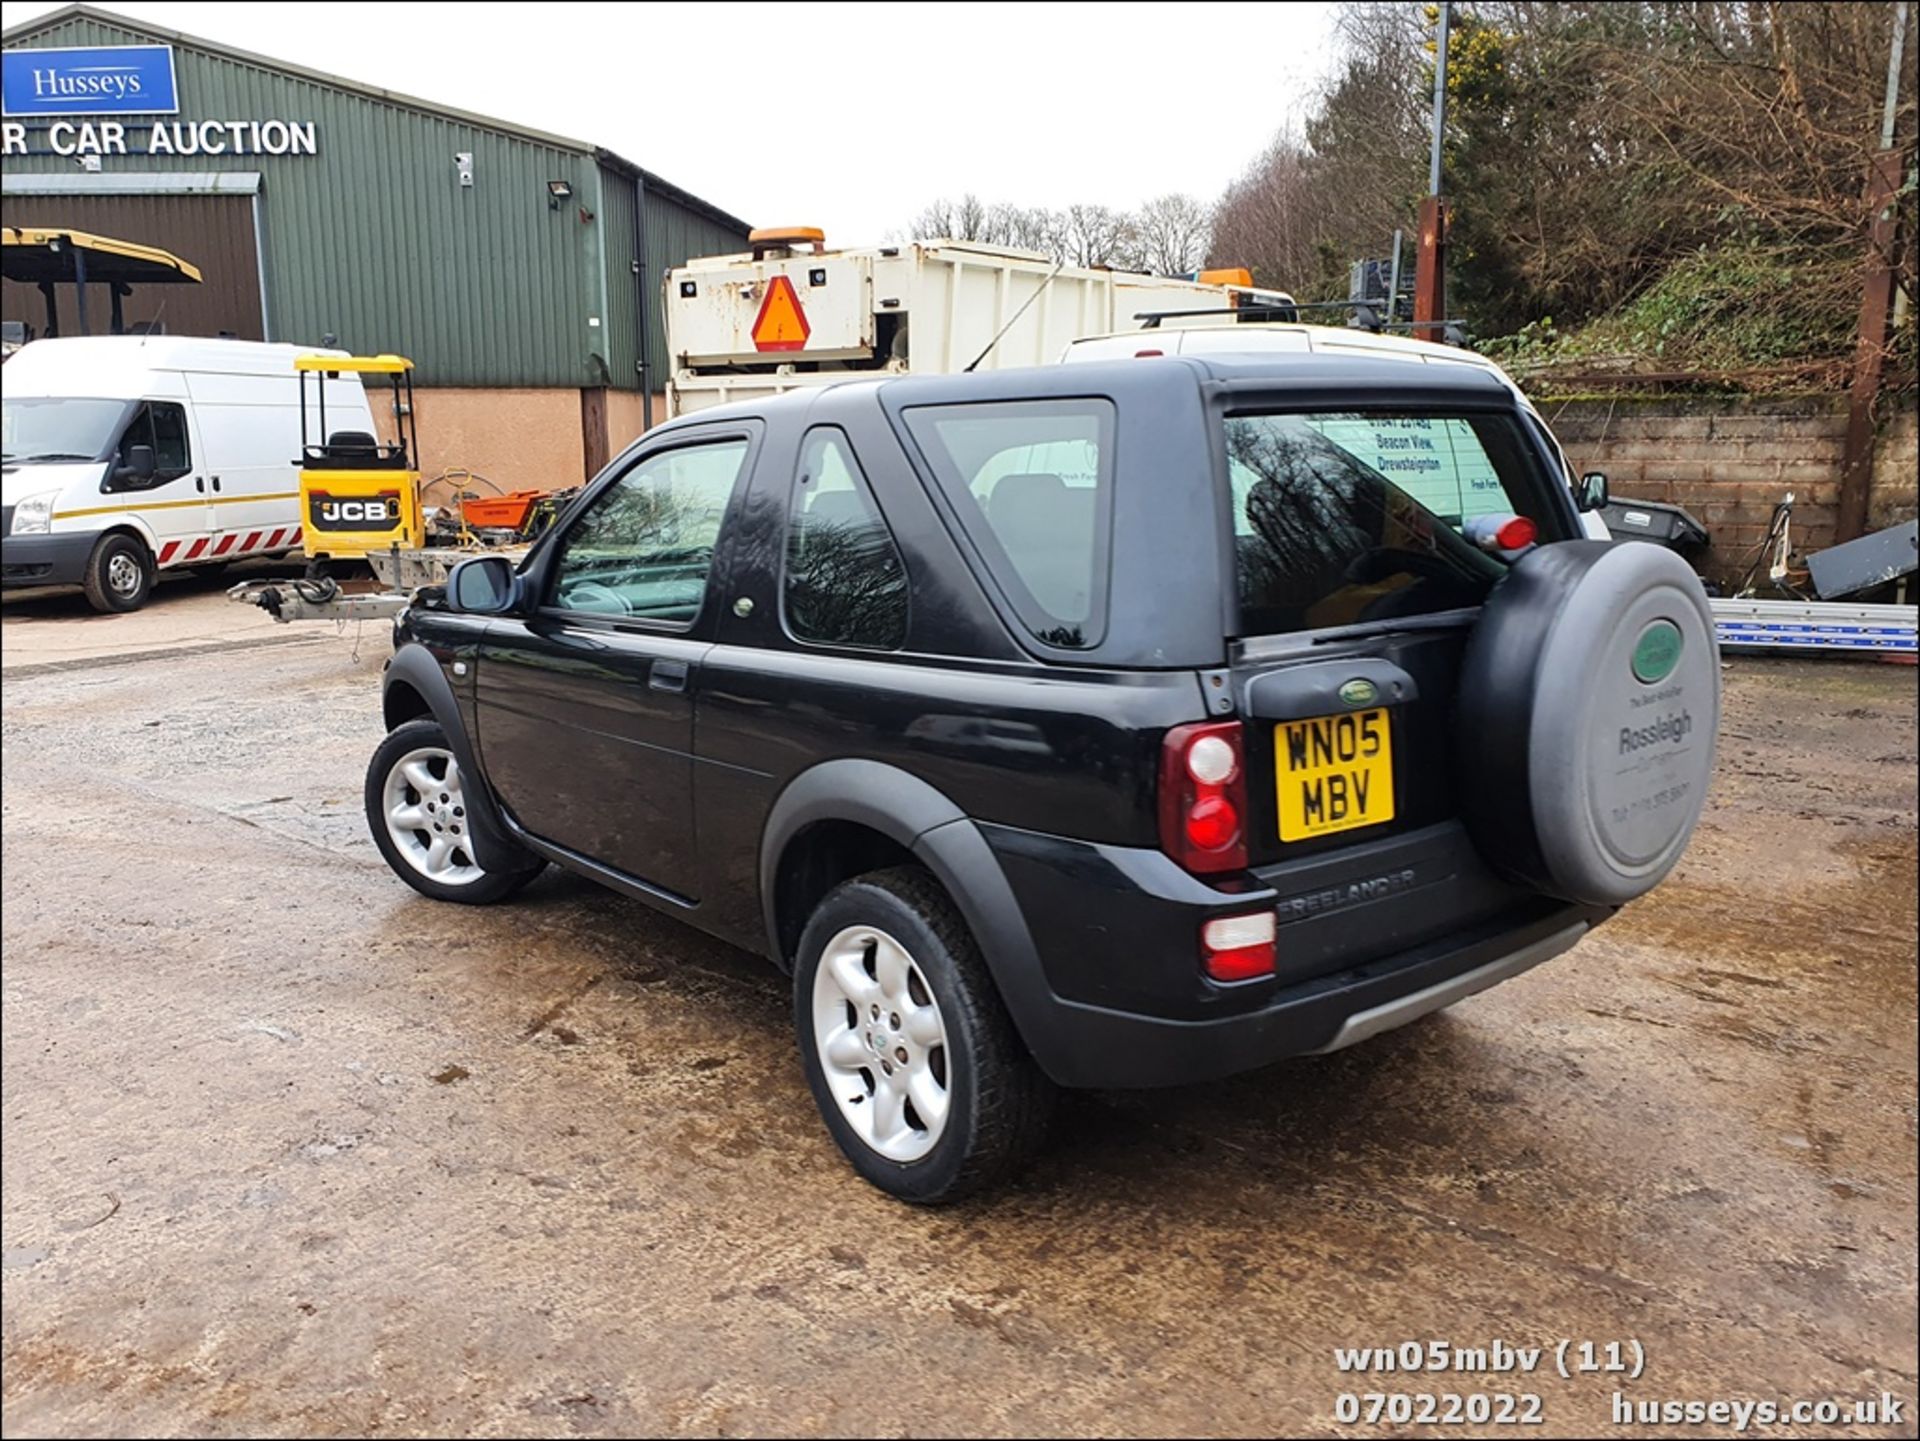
<point x="1656" y="653"/>
<point x="1359" y="691"/>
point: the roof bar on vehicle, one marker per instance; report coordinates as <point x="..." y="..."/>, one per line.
<point x="1366" y="317"/>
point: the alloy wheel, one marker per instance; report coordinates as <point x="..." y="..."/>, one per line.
<point x="882" y="1043"/>
<point x="426" y="814"/>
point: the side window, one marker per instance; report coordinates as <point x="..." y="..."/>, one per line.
<point x="170" y="457"/>
<point x="845" y="584"/>
<point x="643" y="548"/>
<point x="163" y="426"/>
<point x="1031" y="481"/>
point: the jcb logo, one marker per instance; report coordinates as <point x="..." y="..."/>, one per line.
<point x="380" y="512"/>
<point x="358" y="510"/>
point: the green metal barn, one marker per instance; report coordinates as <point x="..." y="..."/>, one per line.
<point x="520" y="270"/>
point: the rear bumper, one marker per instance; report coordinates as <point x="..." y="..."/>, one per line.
<point x="1122" y="1002"/>
<point x="1094" y="1047"/>
<point x="44" y="559"/>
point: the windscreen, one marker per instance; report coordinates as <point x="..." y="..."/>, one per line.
<point x="1344" y="518"/>
<point x="49" y="428"/>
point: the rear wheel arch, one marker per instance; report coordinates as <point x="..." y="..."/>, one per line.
<point x="818" y="857"/>
<point x="858" y="811"/>
<point x="849" y="797"/>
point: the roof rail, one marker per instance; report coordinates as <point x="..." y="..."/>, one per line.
<point x="1365" y="317"/>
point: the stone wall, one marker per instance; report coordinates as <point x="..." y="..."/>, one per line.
<point x="1896" y="472"/>
<point x="1728" y="459"/>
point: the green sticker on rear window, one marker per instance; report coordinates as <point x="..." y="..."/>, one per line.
<point x="1657" y="652"/>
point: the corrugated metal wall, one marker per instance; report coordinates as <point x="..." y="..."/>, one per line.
<point x="617" y="233"/>
<point x="214" y="232"/>
<point x="375" y="240"/>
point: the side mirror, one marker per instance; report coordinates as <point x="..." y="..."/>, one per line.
<point x="140" y="464"/>
<point x="1592" y="494"/>
<point x="483" y="585"/>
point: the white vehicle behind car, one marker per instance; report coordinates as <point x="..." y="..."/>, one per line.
<point x="130" y="455"/>
<point x="793" y="313"/>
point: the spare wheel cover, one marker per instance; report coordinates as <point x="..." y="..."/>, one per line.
<point x="1589" y="707"/>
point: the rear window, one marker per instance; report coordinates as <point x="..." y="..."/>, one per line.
<point x="1031" y="482"/>
<point x="1345" y="518"/>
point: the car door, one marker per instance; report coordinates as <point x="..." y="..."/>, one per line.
<point x="174" y="502"/>
<point x="584" y="706"/>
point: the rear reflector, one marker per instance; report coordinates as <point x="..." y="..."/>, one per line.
<point x="1238" y="948"/>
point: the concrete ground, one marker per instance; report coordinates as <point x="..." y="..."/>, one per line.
<point x="289" y="1149"/>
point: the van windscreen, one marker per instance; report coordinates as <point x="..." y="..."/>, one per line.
<point x="57" y="428"/>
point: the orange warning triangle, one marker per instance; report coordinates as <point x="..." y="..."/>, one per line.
<point x="781" y="323"/>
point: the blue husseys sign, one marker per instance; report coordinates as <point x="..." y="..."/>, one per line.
<point x="100" y="80"/>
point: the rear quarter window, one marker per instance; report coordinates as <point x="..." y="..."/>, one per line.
<point x="1031" y="482"/>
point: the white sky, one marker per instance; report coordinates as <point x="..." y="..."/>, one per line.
<point x="849" y="117"/>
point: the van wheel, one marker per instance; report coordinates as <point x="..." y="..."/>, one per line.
<point x="119" y="575"/>
<point x="417" y="809"/>
<point x="911" y="1055"/>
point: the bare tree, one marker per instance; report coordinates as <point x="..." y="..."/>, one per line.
<point x="967" y="218"/>
<point x="1093" y="234"/>
<point x="1172" y="233"/>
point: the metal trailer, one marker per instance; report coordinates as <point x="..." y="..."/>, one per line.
<point x="402" y="573"/>
<point x="792" y="313"/>
<point x="1795" y="627"/>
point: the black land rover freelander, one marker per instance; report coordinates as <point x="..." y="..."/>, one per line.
<point x="1099" y="725"/>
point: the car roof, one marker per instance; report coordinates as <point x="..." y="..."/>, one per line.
<point x="1350" y="377"/>
<point x="1174" y="335"/>
<point x="1305" y="374"/>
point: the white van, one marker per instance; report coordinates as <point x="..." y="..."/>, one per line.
<point x="128" y="455"/>
<point x="1209" y="337"/>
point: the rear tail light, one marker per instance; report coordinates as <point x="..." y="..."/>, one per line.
<point x="1203" y="796"/>
<point x="1517" y="534"/>
<point x="1238" y="948"/>
<point x="1502" y="534"/>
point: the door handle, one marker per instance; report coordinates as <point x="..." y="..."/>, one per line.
<point x="216" y="482"/>
<point x="200" y="484"/>
<point x="668" y="675"/>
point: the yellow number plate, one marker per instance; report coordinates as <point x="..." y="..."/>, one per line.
<point x="1336" y="773"/>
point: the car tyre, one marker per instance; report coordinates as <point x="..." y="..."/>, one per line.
<point x="417" y="808"/>
<point x="119" y="574"/>
<point x="915" y="1064"/>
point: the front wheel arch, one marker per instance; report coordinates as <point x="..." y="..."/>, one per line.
<point x="402" y="703"/>
<point x="414" y="678"/>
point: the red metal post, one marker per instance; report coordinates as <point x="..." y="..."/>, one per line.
<point x="1430" y="270"/>
<point x="1870" y="351"/>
